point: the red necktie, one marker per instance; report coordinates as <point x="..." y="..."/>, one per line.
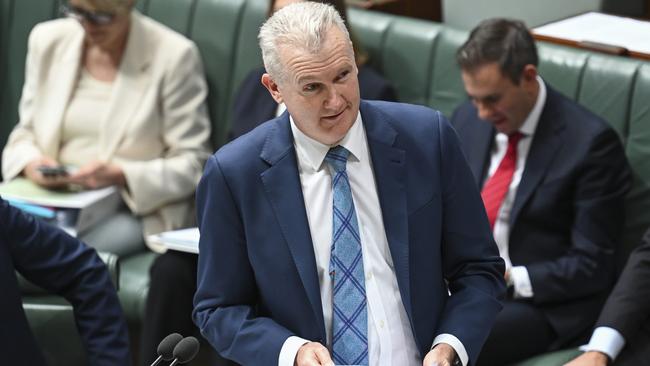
<point x="495" y="189"/>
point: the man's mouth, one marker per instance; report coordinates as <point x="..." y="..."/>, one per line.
<point x="334" y="116"/>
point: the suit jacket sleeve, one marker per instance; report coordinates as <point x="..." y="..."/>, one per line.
<point x="225" y="308"/>
<point x="186" y="131"/>
<point x="587" y="265"/>
<point x="471" y="262"/>
<point x="628" y="306"/>
<point x="61" y="264"/>
<point x="21" y="147"/>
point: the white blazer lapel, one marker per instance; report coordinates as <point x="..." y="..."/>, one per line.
<point x="130" y="85"/>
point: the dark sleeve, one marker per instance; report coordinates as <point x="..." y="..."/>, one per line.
<point x="471" y="262"/>
<point x="628" y="306"/>
<point x="55" y="261"/>
<point x="373" y="86"/>
<point x="226" y="299"/>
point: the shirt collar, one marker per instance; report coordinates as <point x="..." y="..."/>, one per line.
<point x="312" y="153"/>
<point x="530" y="123"/>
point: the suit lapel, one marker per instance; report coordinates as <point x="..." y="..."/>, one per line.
<point x="64" y="79"/>
<point x="389" y="166"/>
<point x="130" y="85"/>
<point x="546" y="142"/>
<point x="284" y="190"/>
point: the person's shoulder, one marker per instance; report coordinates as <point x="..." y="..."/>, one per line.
<point x="576" y="117"/>
<point x="54" y="31"/>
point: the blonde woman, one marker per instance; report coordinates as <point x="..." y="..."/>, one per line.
<point x="121" y="98"/>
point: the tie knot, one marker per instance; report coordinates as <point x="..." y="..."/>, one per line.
<point x="337" y="158"/>
<point x="513" y="138"/>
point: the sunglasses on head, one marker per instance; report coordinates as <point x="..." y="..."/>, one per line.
<point x="94" y="17"/>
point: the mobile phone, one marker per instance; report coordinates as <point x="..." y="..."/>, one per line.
<point x="53" y="171"/>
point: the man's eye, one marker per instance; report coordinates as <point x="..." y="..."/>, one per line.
<point x="343" y="75"/>
<point x="310" y="87"/>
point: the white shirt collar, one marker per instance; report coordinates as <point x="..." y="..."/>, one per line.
<point x="312" y="153"/>
<point x="530" y="123"/>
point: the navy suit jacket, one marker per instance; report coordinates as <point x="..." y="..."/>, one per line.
<point x="567" y="217"/>
<point x="51" y="259"/>
<point x="628" y="307"/>
<point x="257" y="278"/>
<point x="254" y="104"/>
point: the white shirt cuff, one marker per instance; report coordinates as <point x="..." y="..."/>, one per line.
<point x="606" y="340"/>
<point x="290" y="350"/>
<point x="455" y="343"/>
<point x="521" y="282"/>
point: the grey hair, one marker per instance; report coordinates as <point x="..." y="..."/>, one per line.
<point x="300" y="25"/>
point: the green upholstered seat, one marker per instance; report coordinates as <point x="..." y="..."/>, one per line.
<point x="606" y="89"/>
<point x="562" y="67"/>
<point x="407" y="57"/>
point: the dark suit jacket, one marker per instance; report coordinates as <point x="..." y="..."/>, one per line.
<point x="257" y="278"/>
<point x="628" y="307"/>
<point x="568" y="212"/>
<point x="60" y="264"/>
<point x="254" y="105"/>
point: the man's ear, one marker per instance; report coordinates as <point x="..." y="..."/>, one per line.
<point x="272" y="87"/>
<point x="529" y="73"/>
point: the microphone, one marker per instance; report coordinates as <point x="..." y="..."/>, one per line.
<point x="166" y="348"/>
<point x="185" y="351"/>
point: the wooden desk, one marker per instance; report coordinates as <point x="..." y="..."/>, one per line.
<point x="600" y="32"/>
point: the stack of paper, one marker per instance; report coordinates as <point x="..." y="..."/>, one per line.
<point x="75" y="212"/>
<point x="184" y="240"/>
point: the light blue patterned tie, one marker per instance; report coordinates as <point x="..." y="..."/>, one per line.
<point x="350" y="317"/>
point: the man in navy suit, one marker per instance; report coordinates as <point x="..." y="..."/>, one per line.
<point x="553" y="178"/>
<point x="337" y="195"/>
<point x="53" y="260"/>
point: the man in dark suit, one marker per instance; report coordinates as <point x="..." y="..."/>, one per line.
<point x="622" y="334"/>
<point x="342" y="231"/>
<point x="553" y="177"/>
<point x="53" y="260"/>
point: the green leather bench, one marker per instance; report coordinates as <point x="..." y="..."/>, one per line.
<point x="417" y="56"/>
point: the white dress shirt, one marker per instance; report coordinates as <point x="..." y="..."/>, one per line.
<point x="519" y="277"/>
<point x="390" y="338"/>
<point x="606" y="340"/>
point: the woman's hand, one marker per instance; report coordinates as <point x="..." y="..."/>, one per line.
<point x="98" y="174"/>
<point x="33" y="173"/>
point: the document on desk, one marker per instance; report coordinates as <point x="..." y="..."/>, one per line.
<point x="607" y="29"/>
<point x="184" y="240"/>
<point x="73" y="211"/>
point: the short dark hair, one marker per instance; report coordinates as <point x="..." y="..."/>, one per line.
<point x="504" y="41"/>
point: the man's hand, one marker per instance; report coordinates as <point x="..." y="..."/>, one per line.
<point x="441" y="355"/>
<point x="313" y="354"/>
<point x="32" y="173"/>
<point x="590" y="358"/>
<point x="98" y="175"/>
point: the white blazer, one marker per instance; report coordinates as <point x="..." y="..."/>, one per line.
<point x="156" y="127"/>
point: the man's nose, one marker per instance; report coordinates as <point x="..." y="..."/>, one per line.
<point x="334" y="98"/>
